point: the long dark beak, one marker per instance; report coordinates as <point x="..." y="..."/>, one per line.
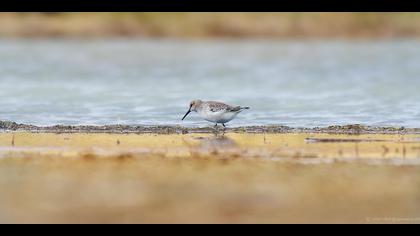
<point x="186" y="114"/>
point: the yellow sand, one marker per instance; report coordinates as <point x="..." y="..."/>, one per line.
<point x="195" y="178"/>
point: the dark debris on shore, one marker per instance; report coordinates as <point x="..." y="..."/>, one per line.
<point x="159" y="129"/>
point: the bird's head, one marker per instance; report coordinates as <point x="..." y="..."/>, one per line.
<point x="193" y="107"/>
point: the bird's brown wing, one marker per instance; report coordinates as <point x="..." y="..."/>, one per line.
<point x="218" y="106"/>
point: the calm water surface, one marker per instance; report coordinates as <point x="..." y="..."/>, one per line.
<point x="294" y="83"/>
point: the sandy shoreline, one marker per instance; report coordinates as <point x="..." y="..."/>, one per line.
<point x="162" y="129"/>
<point x="109" y="175"/>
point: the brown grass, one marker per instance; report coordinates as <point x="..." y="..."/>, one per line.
<point x="210" y="25"/>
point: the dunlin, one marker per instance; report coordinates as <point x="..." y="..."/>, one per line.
<point x="215" y="112"/>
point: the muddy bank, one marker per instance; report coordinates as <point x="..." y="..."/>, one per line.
<point x="159" y="129"/>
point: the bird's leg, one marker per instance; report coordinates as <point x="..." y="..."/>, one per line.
<point x="224" y="129"/>
<point x="215" y="126"/>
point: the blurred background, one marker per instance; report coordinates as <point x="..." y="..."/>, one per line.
<point x="295" y="69"/>
<point x="205" y="25"/>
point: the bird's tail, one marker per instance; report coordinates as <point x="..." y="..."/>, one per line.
<point x="244" y="108"/>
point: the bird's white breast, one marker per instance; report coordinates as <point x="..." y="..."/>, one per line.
<point x="217" y="117"/>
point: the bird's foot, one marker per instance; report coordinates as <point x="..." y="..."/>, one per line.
<point x="217" y="129"/>
<point x="224" y="128"/>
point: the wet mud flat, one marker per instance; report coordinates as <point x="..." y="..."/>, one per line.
<point x="208" y="177"/>
<point x="160" y="129"/>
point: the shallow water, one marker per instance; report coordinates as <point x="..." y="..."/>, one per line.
<point x="290" y="147"/>
<point x="294" y="83"/>
<point x="206" y="178"/>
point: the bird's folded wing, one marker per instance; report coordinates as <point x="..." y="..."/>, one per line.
<point x="218" y="106"/>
